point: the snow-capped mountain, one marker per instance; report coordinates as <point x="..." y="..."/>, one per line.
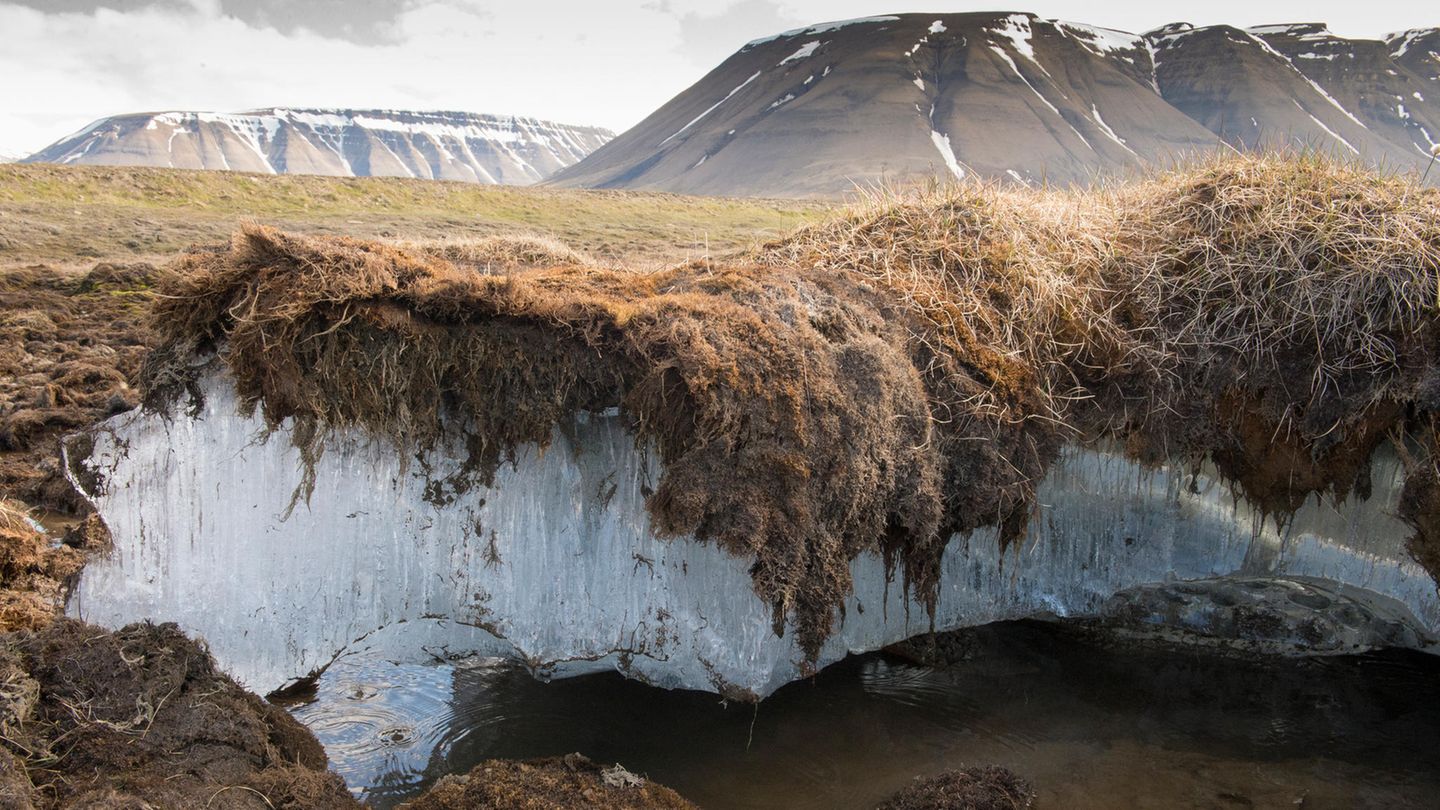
<point x="814" y="111"/>
<point x="361" y="143"/>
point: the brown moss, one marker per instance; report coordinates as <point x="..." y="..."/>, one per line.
<point x="887" y="380"/>
<point x="988" y="788"/>
<point x="34" y="577"/>
<point x="140" y="717"/>
<point x="70" y="345"/>
<point x="557" y="783"/>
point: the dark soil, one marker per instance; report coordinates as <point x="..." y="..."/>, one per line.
<point x="140" y="717"/>
<point x="988" y="788"/>
<point x="571" y="782"/>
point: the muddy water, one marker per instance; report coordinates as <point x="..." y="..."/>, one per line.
<point x="1092" y="726"/>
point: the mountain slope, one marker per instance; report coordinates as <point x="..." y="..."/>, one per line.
<point x="814" y="111"/>
<point x="1282" y="85"/>
<point x="360" y="143"/>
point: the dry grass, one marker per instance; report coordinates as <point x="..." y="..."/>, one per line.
<point x="501" y="254"/>
<point x="64" y="215"/>
<point x="882" y="381"/>
<point x="141" y="717"/>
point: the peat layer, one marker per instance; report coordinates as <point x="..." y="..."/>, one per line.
<point x="140" y="717"/>
<point x="891" y="378"/>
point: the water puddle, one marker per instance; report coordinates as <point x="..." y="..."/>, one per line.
<point x="1091" y="726"/>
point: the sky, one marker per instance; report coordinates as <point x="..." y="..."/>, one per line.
<point x="66" y="63"/>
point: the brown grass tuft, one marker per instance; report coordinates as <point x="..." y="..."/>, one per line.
<point x="501" y="254"/>
<point x="885" y="380"/>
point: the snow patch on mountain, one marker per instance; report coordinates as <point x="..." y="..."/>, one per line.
<point x="712" y="107"/>
<point x="822" y="28"/>
<point x="402" y="143"/>
<point x="804" y="52"/>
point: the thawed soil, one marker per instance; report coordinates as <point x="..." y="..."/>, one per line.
<point x="991" y="788"/>
<point x="140" y="717"/>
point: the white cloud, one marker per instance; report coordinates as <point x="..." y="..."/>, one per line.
<point x="589" y="65"/>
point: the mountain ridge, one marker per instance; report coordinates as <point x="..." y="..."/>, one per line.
<point x="444" y="145"/>
<point x="817" y="110"/>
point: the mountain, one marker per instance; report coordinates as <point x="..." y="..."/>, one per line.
<point x="1278" y="84"/>
<point x="360" y="143"/>
<point x="815" y="111"/>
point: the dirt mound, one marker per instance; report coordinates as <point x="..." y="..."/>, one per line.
<point x="988" y="788"/>
<point x="892" y="378"/>
<point x="140" y="717"/>
<point x="34" y="577"/>
<point x="557" y="783"/>
<point x="70" y="345"/>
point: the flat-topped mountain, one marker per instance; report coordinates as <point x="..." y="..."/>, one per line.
<point x="815" y="111"/>
<point x="360" y="143"/>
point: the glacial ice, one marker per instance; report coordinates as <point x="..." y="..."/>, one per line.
<point x="555" y="563"/>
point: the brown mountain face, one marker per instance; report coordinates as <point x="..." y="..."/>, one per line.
<point x="817" y="111"/>
<point x="1298" y="85"/>
<point x="1418" y="50"/>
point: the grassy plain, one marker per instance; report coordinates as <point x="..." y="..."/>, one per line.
<point x="73" y="215"/>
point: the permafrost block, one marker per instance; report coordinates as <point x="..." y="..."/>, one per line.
<point x="556" y="564"/>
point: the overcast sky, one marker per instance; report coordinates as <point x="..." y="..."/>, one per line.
<point x="65" y="63"/>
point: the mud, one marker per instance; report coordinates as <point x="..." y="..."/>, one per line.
<point x="140" y="717"/>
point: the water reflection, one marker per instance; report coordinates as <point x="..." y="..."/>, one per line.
<point x="1090" y="726"/>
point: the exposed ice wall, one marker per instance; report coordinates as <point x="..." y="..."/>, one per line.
<point x="556" y="564"/>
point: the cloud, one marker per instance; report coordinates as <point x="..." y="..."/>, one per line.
<point x="361" y="21"/>
<point x="706" y="38"/>
<point x="586" y="63"/>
